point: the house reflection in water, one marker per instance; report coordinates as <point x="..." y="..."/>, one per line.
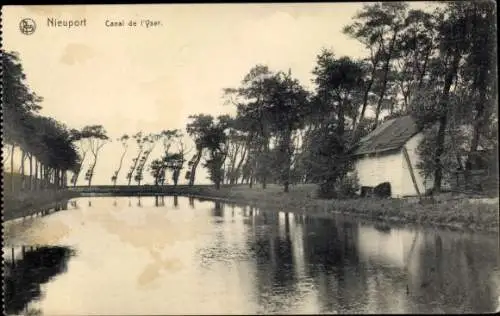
<point x="432" y="263"/>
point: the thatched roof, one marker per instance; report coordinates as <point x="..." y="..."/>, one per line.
<point x="391" y="135"/>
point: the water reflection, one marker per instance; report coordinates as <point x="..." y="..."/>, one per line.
<point x="455" y="274"/>
<point x="243" y="260"/>
<point x="218" y="210"/>
<point x="25" y="274"/>
<point x="159" y="201"/>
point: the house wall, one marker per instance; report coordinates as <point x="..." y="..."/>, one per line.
<point x="373" y="170"/>
<point x="392" y="168"/>
<point x="406" y="182"/>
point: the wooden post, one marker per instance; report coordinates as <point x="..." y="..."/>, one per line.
<point x="13" y="258"/>
<point x="410" y="168"/>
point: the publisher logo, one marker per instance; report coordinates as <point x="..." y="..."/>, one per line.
<point x="27" y="26"/>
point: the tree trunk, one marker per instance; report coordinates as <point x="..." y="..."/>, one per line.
<point x="119" y="167"/>
<point x="238" y="167"/>
<point x="175" y="176"/>
<point x="143" y="164"/>
<point x="56" y="179"/>
<point x="36" y="174"/>
<point x="46" y="176"/>
<point x="12" y="168"/>
<point x="288" y="159"/>
<point x="42" y="176"/>
<point x="52" y="176"/>
<point x="479" y="120"/>
<point x="79" y="169"/>
<point x="194" y="166"/>
<point x="365" y="98"/>
<point x="23" y="158"/>
<point x="231" y="174"/>
<point x="385" y="78"/>
<point x="134" y="166"/>
<point x="443" y="119"/>
<point x="40" y="180"/>
<point x="91" y="175"/>
<point x="424" y="68"/>
<point x="31" y="173"/>
<point x="264" y="174"/>
<point x="438" y="173"/>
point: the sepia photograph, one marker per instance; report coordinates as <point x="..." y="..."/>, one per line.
<point x="250" y="158"/>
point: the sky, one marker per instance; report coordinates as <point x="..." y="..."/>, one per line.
<point x="132" y="79"/>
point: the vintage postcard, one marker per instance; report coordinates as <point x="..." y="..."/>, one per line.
<point x="286" y="158"/>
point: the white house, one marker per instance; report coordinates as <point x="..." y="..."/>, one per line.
<point x="389" y="154"/>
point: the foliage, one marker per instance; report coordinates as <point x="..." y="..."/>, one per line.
<point x="344" y="187"/>
<point x="436" y="65"/>
<point x="45" y="139"/>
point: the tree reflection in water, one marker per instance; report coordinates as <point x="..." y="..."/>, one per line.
<point x="454" y="274"/>
<point x="24" y="277"/>
<point x="291" y="263"/>
<point x="159" y="200"/>
<point x="218" y="210"/>
<point x="447" y="273"/>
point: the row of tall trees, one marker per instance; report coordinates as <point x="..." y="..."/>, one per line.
<point x="48" y="147"/>
<point x="169" y="161"/>
<point x="45" y="145"/>
<point x="437" y="66"/>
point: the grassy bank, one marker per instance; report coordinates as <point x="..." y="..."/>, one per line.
<point x="453" y="212"/>
<point x="459" y="212"/>
<point x="27" y="203"/>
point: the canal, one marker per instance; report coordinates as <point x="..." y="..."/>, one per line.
<point x="178" y="255"/>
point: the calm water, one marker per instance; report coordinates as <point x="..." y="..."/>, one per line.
<point x="109" y="256"/>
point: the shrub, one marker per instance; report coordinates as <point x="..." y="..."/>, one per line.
<point x="382" y="190"/>
<point x="348" y="186"/>
<point x="345" y="187"/>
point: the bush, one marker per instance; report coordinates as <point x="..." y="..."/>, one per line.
<point x="349" y="185"/>
<point x="345" y="187"/>
<point x="382" y="190"/>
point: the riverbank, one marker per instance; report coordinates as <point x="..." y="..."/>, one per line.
<point x="456" y="212"/>
<point x="30" y="202"/>
<point x="453" y="212"/>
